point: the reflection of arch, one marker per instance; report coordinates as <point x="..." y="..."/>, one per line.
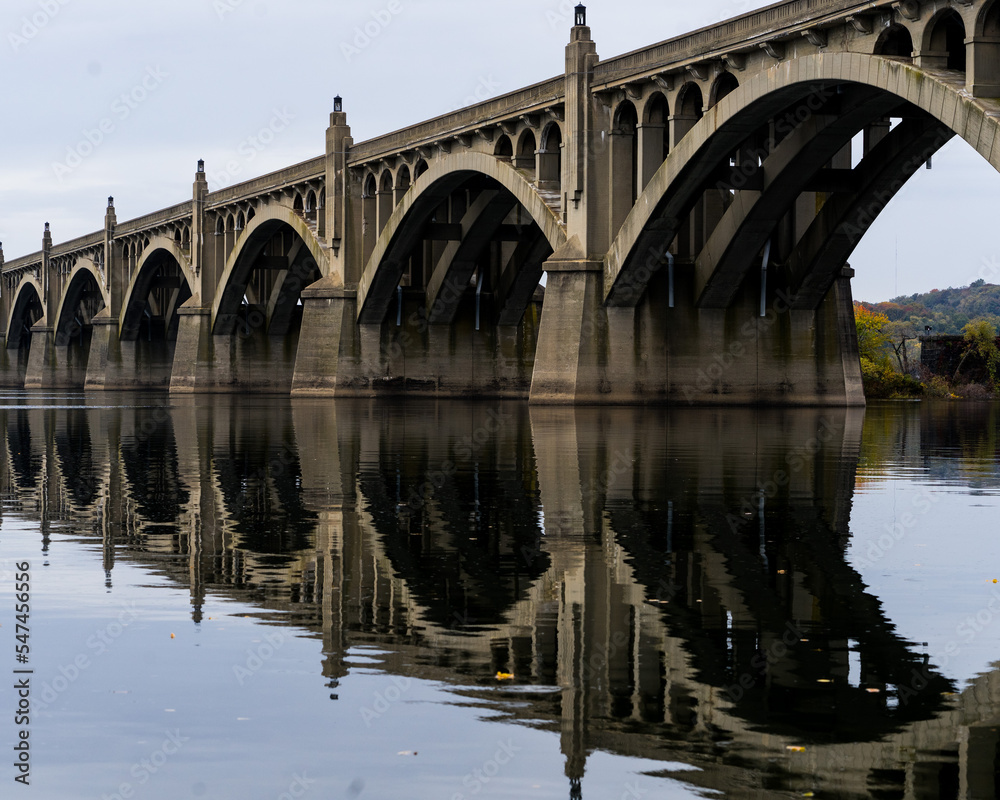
<point x="895" y="42"/>
<point x="388" y="260"/>
<point x="160" y="253"/>
<point x="26" y="311"/>
<point x="636" y="253"/>
<point x="944" y="41"/>
<point x="248" y="247"/>
<point x="79" y="470"/>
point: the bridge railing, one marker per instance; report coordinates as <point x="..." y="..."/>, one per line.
<point x="298" y="173"/>
<point x="739" y="33"/>
<point x="465" y="120"/>
<point x="164" y="216"/>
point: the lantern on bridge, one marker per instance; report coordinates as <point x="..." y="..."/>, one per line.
<point x="581" y="15"/>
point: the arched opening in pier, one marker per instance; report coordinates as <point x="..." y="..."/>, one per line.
<point x="624" y="163"/>
<point x="654" y="138"/>
<point x="944" y="41"/>
<point x="504" y="149"/>
<point x="527" y="145"/>
<point x="895" y="42"/>
<point x="550" y="159"/>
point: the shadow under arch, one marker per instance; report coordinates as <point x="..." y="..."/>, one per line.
<point x="159" y="256"/>
<point x="259" y="231"/>
<point x="405" y="227"/>
<point x="26" y="311"/>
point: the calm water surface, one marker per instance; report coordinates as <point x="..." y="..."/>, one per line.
<point x="264" y="598"/>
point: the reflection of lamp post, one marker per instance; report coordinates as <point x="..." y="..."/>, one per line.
<point x="928" y="329"/>
<point x="581" y="15"/>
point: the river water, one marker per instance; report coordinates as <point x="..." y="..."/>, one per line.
<point x="265" y="598"/>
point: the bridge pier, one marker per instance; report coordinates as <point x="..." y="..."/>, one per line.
<point x="404" y="354"/>
<point x="54" y="363"/>
<point x="247" y="359"/>
<point x="648" y="353"/>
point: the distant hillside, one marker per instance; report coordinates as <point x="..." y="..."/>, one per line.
<point x="947" y="311"/>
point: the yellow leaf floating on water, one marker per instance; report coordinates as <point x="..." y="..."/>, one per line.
<point x="795" y="748"/>
<point x="505" y="676"/>
<point x="172" y="636"/>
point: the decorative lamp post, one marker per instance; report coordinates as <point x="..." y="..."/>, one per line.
<point x="581" y="15"/>
<point x="338" y="104"/>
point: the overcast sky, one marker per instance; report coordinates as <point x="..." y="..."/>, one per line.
<point x="108" y="97"/>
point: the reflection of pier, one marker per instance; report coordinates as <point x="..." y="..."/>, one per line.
<point x="617" y="556"/>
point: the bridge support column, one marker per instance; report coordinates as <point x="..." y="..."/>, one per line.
<point x="194" y="362"/>
<point x="104" y="366"/>
<point x="568" y="359"/>
<point x="11" y="367"/>
<point x="40" y="357"/>
<point x="984" y="67"/>
<point x="326" y="363"/>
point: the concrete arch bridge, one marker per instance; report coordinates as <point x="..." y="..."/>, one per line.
<point x="692" y="206"/>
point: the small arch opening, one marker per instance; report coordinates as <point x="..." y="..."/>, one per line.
<point x="504" y="149"/>
<point x="895" y="42"/>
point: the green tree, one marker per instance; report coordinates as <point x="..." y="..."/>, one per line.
<point x="981" y="340"/>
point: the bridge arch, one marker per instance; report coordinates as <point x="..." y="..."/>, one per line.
<point x="26" y="311"/>
<point x="943" y="41"/>
<point x="304" y="260"/>
<point x="895" y="42"/>
<point x="404" y="230"/>
<point x="159" y="260"/>
<point x="725" y="84"/>
<point x="637" y="252"/>
<point x="84" y="293"/>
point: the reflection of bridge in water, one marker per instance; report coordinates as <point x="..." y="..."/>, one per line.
<point x="616" y="556"/>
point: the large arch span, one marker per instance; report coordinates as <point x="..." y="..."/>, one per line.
<point x="408" y="222"/>
<point x="932" y="104"/>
